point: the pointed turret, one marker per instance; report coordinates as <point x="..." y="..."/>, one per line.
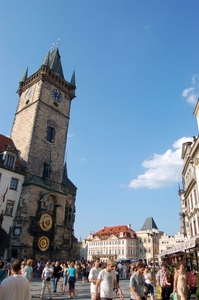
<point x="23" y="79"/>
<point x="25" y="75"/>
<point x="65" y="174"/>
<point x="65" y="179"/>
<point x="149" y="224"/>
<point x="72" y="81"/>
<point x="47" y="59"/>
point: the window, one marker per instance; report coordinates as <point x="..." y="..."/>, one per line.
<point x="191" y="202"/>
<point x="13" y="184"/>
<point x="9" y="208"/>
<point x="9" y="162"/>
<point x="50" y="134"/>
<point x="195" y="197"/>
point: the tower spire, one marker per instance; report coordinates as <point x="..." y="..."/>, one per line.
<point x="23" y="79"/>
<point x="25" y="75"/>
<point x="53" y="60"/>
<point x="72" y="81"/>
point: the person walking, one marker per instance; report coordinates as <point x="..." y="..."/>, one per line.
<point x="148" y="281"/>
<point x="137" y="283"/>
<point x="15" y="287"/>
<point x="3" y="271"/>
<point x="92" y="277"/>
<point x="28" y="270"/>
<point x="168" y="284"/>
<point x="180" y="282"/>
<point x="64" y="277"/>
<point x="107" y="280"/>
<point x="160" y="278"/>
<point x="56" y="275"/>
<point x="46" y="280"/>
<point x="72" y="279"/>
<point x="117" y="274"/>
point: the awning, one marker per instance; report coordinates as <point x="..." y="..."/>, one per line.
<point x="188" y="244"/>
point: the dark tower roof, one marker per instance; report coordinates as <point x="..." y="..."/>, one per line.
<point x="149" y="224"/>
<point x="53" y="60"/>
<point x="65" y="179"/>
<point x="25" y="75"/>
<point x="47" y="59"/>
<point x="72" y="81"/>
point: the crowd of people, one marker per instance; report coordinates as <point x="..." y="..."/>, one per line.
<point x="104" y="279"/>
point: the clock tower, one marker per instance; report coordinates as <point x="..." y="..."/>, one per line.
<point x="46" y="212"/>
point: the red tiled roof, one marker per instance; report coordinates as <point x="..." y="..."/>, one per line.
<point x="4" y="142"/>
<point x="115" y="230"/>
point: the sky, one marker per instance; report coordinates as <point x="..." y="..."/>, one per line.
<point x="137" y="66"/>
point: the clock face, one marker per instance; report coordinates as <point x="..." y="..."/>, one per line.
<point x="57" y="96"/>
<point x="29" y="93"/>
<point x="43" y="243"/>
<point x="17" y="231"/>
<point x="45" y="222"/>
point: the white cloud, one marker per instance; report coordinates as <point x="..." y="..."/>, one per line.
<point x="70" y="135"/>
<point x="192" y="99"/>
<point x="193" y="80"/>
<point x="187" y="91"/>
<point x="82" y="159"/>
<point x="192" y="93"/>
<point x="163" y="170"/>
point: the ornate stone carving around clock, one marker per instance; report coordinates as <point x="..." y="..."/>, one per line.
<point x="45" y="222"/>
<point x="43" y="243"/>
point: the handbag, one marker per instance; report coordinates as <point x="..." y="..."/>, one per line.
<point x="159" y="292"/>
<point x="145" y="290"/>
<point x="48" y="279"/>
<point x="174" y="296"/>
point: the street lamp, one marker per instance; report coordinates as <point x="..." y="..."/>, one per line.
<point x="152" y="232"/>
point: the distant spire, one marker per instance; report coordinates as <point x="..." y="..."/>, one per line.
<point x="25" y="75"/>
<point x="72" y="81"/>
<point x="65" y="174"/>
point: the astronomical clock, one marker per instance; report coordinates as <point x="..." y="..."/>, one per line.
<point x="45" y="224"/>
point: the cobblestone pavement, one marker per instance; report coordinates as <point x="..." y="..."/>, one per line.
<point x="82" y="290"/>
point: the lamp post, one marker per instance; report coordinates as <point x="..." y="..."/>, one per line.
<point x="152" y="233"/>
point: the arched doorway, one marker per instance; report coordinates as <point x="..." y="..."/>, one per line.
<point x="4" y="241"/>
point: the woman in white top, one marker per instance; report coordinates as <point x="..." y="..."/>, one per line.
<point x="148" y="281"/>
<point x="64" y="277"/>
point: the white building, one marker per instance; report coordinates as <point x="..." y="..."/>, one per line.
<point x="11" y="180"/>
<point x="188" y="248"/>
<point x="116" y="242"/>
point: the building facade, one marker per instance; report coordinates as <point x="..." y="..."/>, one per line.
<point x="117" y="242"/>
<point x="44" y="221"/>
<point x="189" y="201"/>
<point x="11" y="180"/>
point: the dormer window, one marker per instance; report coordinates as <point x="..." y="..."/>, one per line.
<point x="9" y="161"/>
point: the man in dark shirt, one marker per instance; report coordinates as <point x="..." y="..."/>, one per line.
<point x="56" y="275"/>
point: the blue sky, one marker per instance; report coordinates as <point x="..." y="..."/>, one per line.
<point x="137" y="65"/>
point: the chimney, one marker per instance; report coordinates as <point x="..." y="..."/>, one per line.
<point x="129" y="226"/>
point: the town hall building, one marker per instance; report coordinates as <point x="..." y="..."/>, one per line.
<point x="43" y="226"/>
